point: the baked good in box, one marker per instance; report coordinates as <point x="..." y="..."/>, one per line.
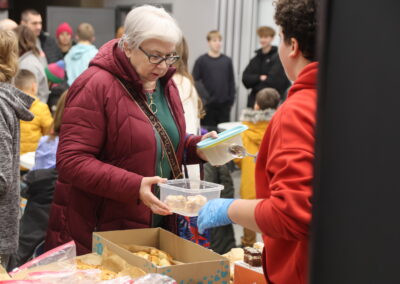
<point x="175" y="202"/>
<point x="252" y="256"/>
<point x="111" y="265"/>
<point x="194" y="203"/>
<point x="190" y="204"/>
<point x="155" y="256"/>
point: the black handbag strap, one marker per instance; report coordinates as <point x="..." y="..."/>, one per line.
<point x="155" y="122"/>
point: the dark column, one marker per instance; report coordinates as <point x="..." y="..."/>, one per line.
<point x="356" y="225"/>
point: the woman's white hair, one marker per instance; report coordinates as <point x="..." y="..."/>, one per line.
<point x="149" y="22"/>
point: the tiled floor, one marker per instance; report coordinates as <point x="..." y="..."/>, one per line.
<point x="237" y="228"/>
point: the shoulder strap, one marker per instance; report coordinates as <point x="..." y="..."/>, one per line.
<point x="155" y="122"/>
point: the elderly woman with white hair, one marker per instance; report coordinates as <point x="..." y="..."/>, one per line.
<point x="123" y="131"/>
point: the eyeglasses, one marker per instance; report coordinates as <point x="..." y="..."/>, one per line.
<point x="155" y="59"/>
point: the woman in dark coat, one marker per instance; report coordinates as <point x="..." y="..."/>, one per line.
<point x="109" y="155"/>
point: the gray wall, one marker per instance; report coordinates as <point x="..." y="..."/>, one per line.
<point x="236" y="19"/>
<point x="195" y="18"/>
<point x="102" y="19"/>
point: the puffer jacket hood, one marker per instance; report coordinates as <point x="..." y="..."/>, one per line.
<point x="80" y="50"/>
<point x="18" y="100"/>
<point x="255" y="116"/>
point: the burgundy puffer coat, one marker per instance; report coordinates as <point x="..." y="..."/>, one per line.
<point x="107" y="146"/>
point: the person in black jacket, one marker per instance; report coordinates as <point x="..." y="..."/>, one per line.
<point x="265" y="69"/>
<point x="33" y="20"/>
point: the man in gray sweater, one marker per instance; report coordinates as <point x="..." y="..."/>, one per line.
<point x="14" y="106"/>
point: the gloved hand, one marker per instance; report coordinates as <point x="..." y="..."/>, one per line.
<point x="214" y="214"/>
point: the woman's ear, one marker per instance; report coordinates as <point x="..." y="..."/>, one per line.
<point x="127" y="50"/>
<point x="294" y="46"/>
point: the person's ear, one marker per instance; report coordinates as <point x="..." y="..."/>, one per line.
<point x="294" y="46"/>
<point x="34" y="88"/>
<point x="127" y="50"/>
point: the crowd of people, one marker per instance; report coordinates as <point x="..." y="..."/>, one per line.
<point x="108" y="125"/>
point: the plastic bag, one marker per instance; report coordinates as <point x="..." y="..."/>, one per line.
<point x="154" y="278"/>
<point x="62" y="258"/>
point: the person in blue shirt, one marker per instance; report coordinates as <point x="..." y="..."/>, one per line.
<point x="78" y="57"/>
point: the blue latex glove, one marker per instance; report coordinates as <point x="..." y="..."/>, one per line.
<point x="214" y="214"/>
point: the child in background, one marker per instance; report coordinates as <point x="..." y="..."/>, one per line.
<point x="257" y="119"/>
<point x="40" y="183"/>
<point x="45" y="157"/>
<point x="31" y="131"/>
<point x="55" y="73"/>
<point x="78" y="58"/>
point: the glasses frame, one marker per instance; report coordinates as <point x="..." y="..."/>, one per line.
<point x="159" y="59"/>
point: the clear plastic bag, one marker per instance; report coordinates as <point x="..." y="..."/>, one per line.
<point x="61" y="258"/>
<point x="154" y="278"/>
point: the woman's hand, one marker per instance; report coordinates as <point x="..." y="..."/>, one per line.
<point x="212" y="134"/>
<point x="149" y="199"/>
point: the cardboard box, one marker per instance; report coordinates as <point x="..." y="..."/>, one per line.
<point x="200" y="265"/>
<point x="246" y="274"/>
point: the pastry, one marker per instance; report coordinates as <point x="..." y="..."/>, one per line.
<point x="252" y="256"/>
<point x="258" y="245"/>
<point x="175" y="202"/>
<point x="155" y="256"/>
<point x="194" y="203"/>
<point x="105" y="273"/>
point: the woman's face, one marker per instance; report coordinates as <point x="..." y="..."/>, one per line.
<point x="64" y="38"/>
<point x="149" y="72"/>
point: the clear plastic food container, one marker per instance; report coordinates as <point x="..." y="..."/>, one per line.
<point x="186" y="197"/>
<point x="217" y="150"/>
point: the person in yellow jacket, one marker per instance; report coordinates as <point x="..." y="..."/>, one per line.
<point x="32" y="131"/>
<point x="257" y="119"/>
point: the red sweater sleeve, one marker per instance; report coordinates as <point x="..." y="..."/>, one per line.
<point x="82" y="135"/>
<point x="284" y="176"/>
<point x="286" y="213"/>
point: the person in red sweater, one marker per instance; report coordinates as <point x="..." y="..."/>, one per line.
<point x="284" y="167"/>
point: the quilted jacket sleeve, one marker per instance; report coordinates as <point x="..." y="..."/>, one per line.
<point x="81" y="139"/>
<point x="191" y="149"/>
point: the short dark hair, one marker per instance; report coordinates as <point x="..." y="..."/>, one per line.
<point x="24" y="79"/>
<point x="27" y="12"/>
<point x="267" y="98"/>
<point x="298" y="19"/>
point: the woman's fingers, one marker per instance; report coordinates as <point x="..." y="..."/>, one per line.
<point x="155" y="180"/>
<point x="156" y="205"/>
<point x="212" y="134"/>
<point x="149" y="199"/>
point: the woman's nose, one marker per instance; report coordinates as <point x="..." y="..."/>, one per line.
<point x="163" y="64"/>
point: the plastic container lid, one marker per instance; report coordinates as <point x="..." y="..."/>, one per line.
<point x="223" y="136"/>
